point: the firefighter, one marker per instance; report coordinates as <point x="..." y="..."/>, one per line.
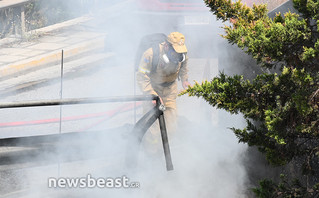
<point x="162" y="81"/>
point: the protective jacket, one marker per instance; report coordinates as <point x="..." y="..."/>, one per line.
<point x="165" y="75"/>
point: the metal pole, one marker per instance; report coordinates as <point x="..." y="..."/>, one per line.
<point x="168" y="158"/>
<point x="167" y="153"/>
<point x="139" y="131"/>
<point x="16" y="15"/>
<point x="140" y="127"/>
<point x="61" y="91"/>
<point x="134" y="95"/>
<point x="22" y="21"/>
<point x="74" y="101"/>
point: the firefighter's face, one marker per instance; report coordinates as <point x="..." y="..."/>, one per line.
<point x="173" y="55"/>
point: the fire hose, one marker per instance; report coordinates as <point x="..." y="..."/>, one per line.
<point x="139" y="130"/>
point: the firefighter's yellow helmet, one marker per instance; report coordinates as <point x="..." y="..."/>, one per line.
<point x="178" y="42"/>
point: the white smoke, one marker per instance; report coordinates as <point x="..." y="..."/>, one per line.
<point x="206" y="155"/>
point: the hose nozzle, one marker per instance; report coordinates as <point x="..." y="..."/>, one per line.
<point x="162" y="107"/>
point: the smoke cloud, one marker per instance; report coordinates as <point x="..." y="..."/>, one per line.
<point x="207" y="158"/>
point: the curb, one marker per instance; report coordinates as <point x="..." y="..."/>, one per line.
<point x="52" y="58"/>
<point x="41" y="76"/>
<point x="18" y="38"/>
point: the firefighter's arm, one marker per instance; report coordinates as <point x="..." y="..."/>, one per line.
<point x="183" y="73"/>
<point x="143" y="74"/>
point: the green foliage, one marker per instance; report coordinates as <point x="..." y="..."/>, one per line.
<point x="278" y="40"/>
<point x="278" y="102"/>
<point x="281" y="108"/>
<point x="284" y="189"/>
